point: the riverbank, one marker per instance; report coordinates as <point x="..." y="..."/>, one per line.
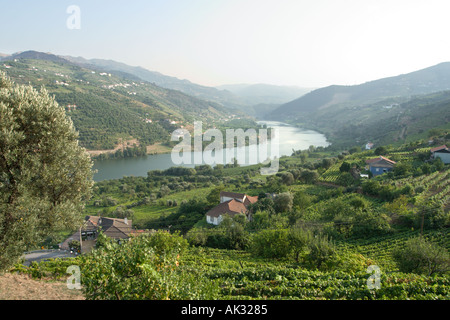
<point x="157" y="148"/>
<point x="289" y="138"/>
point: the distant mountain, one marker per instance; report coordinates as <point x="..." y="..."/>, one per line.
<point x="265" y="93"/>
<point x="223" y="97"/>
<point x="336" y="109"/>
<point x="106" y="107"/>
<point x="35" y="55"/>
<point x="433" y="79"/>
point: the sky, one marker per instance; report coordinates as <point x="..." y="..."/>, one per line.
<point x="306" y="43"/>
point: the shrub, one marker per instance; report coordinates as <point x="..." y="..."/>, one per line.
<point x="322" y="253"/>
<point x="271" y="243"/>
<point x="135" y="271"/>
<point x="422" y="257"/>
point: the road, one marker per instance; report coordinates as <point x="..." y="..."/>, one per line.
<point x="45" y="254"/>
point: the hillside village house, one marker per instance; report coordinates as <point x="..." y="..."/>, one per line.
<point x="118" y="229"/>
<point x="380" y="165"/>
<point x="441" y="152"/>
<point x="230" y="204"/>
<point x="369" y="145"/>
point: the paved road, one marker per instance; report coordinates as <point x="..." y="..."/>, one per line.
<point x="45" y="254"/>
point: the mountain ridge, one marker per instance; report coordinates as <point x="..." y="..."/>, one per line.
<point x="432" y="79"/>
<point x="384" y="111"/>
<point x="110" y="107"/>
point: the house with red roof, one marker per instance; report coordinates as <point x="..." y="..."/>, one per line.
<point x="118" y="229"/>
<point x="380" y="165"/>
<point x="231" y="204"/>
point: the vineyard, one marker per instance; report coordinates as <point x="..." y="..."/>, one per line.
<point x="241" y="277"/>
<point x="380" y="248"/>
<point x="238" y="275"/>
<point x="332" y="174"/>
<point x="434" y="187"/>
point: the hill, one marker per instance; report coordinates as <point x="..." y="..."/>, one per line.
<point x="340" y="110"/>
<point x="253" y="99"/>
<point x="107" y="108"/>
<point x="222" y="97"/>
<point x="265" y="93"/>
<point x="261" y="99"/>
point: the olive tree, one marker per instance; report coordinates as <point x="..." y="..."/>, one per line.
<point x="45" y="176"/>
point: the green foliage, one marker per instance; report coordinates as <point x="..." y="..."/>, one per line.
<point x="283" y="202"/>
<point x="135" y="271"/>
<point x="345" y="167"/>
<point x="380" y="151"/>
<point x="55" y="269"/>
<point x="322" y="253"/>
<point x="165" y="243"/>
<point x="271" y="243"/>
<point x="213" y="197"/>
<point x="422" y="257"/>
<point x="345" y="179"/>
<point x="45" y="176"/>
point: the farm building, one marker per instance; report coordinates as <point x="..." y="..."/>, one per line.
<point x="380" y="165"/>
<point x="230" y="204"/>
<point x="441" y="152"/>
<point x="118" y="229"/>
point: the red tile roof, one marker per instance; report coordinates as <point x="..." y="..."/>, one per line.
<point x="231" y="207"/>
<point x="438" y="148"/>
<point x="380" y="158"/>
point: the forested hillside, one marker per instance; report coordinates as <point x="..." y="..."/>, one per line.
<point x="106" y="107"/>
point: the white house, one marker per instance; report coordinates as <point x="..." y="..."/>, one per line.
<point x="441" y="152"/>
<point x="230" y="204"/>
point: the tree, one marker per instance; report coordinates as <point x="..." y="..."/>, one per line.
<point x="354" y="150"/>
<point x="345" y="167"/>
<point x="45" y="176"/>
<point x="283" y="202"/>
<point x="345" y="179"/>
<point x="301" y="200"/>
<point x="327" y="162"/>
<point x="213" y="197"/>
<point x="402" y="169"/>
<point x="234" y="231"/>
<point x="299" y="239"/>
<point x="322" y="252"/>
<point x="271" y="243"/>
<point x="287" y="178"/>
<point x="380" y="151"/>
<point x="422" y="257"/>
<point x="309" y="176"/>
<point x="438" y="164"/>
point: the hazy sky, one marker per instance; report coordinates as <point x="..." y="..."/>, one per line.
<point x="311" y="43"/>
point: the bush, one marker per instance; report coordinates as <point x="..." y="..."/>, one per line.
<point x="271" y="244"/>
<point x="135" y="271"/>
<point x="422" y="257"/>
<point x="165" y="243"/>
<point x="322" y="253"/>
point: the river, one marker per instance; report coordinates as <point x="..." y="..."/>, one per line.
<point x="289" y="138"/>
